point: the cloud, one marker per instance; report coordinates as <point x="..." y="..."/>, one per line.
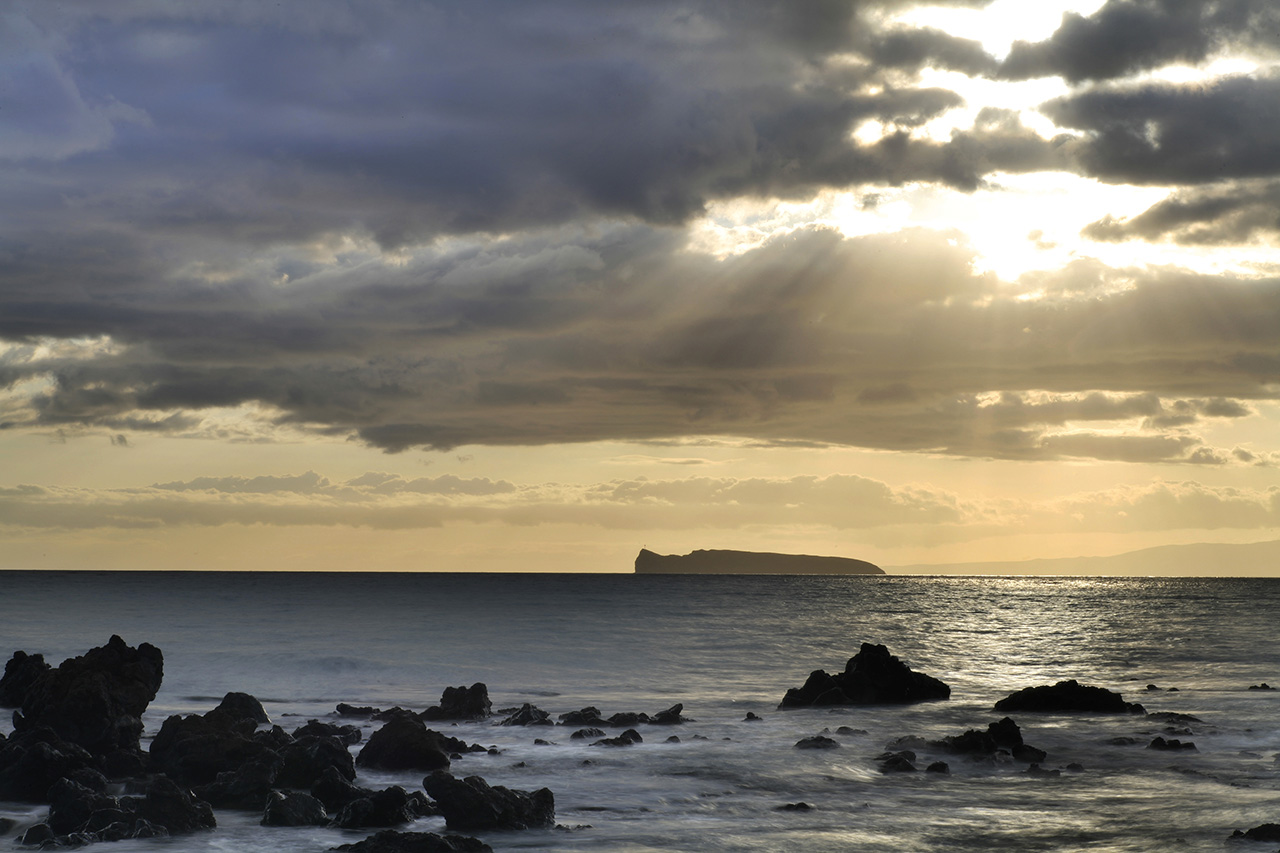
<point x="1219" y="214"/>
<point x="1127" y="36"/>
<point x="1171" y="134"/>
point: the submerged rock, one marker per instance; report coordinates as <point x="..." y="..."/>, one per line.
<point x="871" y="677"/>
<point x="1068" y="696"/>
<point x="389" y="841"/>
<point x="472" y="804"/>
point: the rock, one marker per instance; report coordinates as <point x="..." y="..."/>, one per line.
<point x="461" y="703"/>
<point x="1037" y="770"/>
<point x="6" y="825"/>
<point x="246" y="787"/>
<point x="627" y="738"/>
<point x="292" y="808"/>
<point x="389" y="807"/>
<point x="174" y="808"/>
<point x="1262" y="686"/>
<point x="96" y="700"/>
<point x="72" y="804"/>
<point x="528" y="715"/>
<point x="389" y="841"/>
<point x="588" y="716"/>
<point x="1003" y="734"/>
<point x="898" y="762"/>
<point x="1068" y="696"/>
<point x="1265" y="832"/>
<point x="817" y="742"/>
<point x="196" y="748"/>
<point x="794" y="807"/>
<point x="1171" y="745"/>
<point x="627" y="719"/>
<point x="471" y="804"/>
<point x="752" y="717"/>
<point x="20" y="673"/>
<point x="871" y="677"/>
<point x="938" y="767"/>
<point x="580" y="734"/>
<point x="673" y="739"/>
<point x="404" y="743"/>
<point x="37" y="836"/>
<point x="307" y="758"/>
<point x="335" y="790"/>
<point x="345" y="710"/>
<point x="670" y="717"/>
<point x="349" y="735"/>
<point x="235" y="707"/>
<point x="541" y="742"/>
<point x="33" y="760"/>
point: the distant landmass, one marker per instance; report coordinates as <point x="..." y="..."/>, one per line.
<point x="749" y="563"/>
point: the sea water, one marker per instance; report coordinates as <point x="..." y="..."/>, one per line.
<point x="725" y="646"/>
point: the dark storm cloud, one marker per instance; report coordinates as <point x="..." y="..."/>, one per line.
<point x="1128" y="36"/>
<point x="1163" y="133"/>
<point x="1214" y="215"/>
<point x="887" y="341"/>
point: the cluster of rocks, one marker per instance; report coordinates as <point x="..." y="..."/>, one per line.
<point x="77" y="731"/>
<point x="590" y="716"/>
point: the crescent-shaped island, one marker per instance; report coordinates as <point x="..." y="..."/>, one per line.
<point x="749" y="563"/>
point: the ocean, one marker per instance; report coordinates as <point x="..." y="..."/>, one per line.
<point x="725" y="646"/>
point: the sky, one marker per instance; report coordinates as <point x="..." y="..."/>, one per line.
<point x="508" y="286"/>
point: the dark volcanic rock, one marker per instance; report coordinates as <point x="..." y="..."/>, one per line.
<point x="627" y="738"/>
<point x="335" y="790"/>
<point x="404" y="743"/>
<point x="471" y="804"/>
<point x="528" y="715"/>
<point x="33" y="760"/>
<point x="1002" y="735"/>
<point x="96" y="700"/>
<point x="1171" y="745"/>
<point x="174" y="808"/>
<point x="582" y="734"/>
<point x="389" y="807"/>
<point x="292" y="808"/>
<point x="871" y="677"/>
<point x="20" y="673"/>
<point x="350" y="735"/>
<point x="235" y="707"/>
<point x="461" y="703"/>
<point x="246" y="787"/>
<point x="1068" y="696"/>
<point x="670" y="717"/>
<point x="194" y="749"/>
<point x="307" y="758"/>
<point x="346" y="710"/>
<point x="588" y="716"/>
<point x="389" y="841"/>
<point x="1265" y="832"/>
<point x="817" y="742"/>
<point x="898" y="762"/>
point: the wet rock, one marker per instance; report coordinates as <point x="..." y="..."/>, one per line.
<point x="871" y="677"/>
<point x="196" y="748"/>
<point x="938" y="767"/>
<point x="528" y="715"/>
<point x="292" y="808"/>
<point x="588" y="716"/>
<point x="389" y="807"/>
<point x="1265" y="832"/>
<point x="627" y="738"/>
<point x="335" y="790"/>
<point x="794" y="807"/>
<point x="349" y="735"/>
<point x="540" y="742"/>
<point x="1068" y="696"/>
<point x="461" y="703"/>
<point x="1037" y="770"/>
<point x="174" y="808"/>
<point x="404" y="743"/>
<point x="20" y="673"/>
<point x="1001" y="735"/>
<point x="673" y="739"/>
<point x="581" y="734"/>
<point x="235" y="707"/>
<point x="670" y="717"/>
<point x="362" y="711"/>
<point x="898" y="762"/>
<point x="817" y="742"/>
<point x="389" y="841"/>
<point x="307" y="758"/>
<point x="752" y="717"/>
<point x="38" y="835"/>
<point x="626" y="719"/>
<point x="246" y="787"/>
<point x="71" y="805"/>
<point x="96" y="700"/>
<point x="1171" y="745"/>
<point x="1262" y="686"/>
<point x="472" y="804"/>
<point x="33" y="760"/>
<point x="6" y="825"/>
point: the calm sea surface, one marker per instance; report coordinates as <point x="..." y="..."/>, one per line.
<point x="724" y="646"/>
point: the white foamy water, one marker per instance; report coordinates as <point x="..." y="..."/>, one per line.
<point x="724" y="646"/>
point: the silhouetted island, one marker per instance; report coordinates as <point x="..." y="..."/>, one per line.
<point x="749" y="563"/>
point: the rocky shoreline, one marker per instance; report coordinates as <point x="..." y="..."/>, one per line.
<point x="77" y="749"/>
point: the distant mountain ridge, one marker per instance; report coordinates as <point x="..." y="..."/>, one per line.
<point x="749" y="563"/>
<point x="1201" y="559"/>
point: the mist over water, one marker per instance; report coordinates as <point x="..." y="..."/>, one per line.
<point x="724" y="646"/>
